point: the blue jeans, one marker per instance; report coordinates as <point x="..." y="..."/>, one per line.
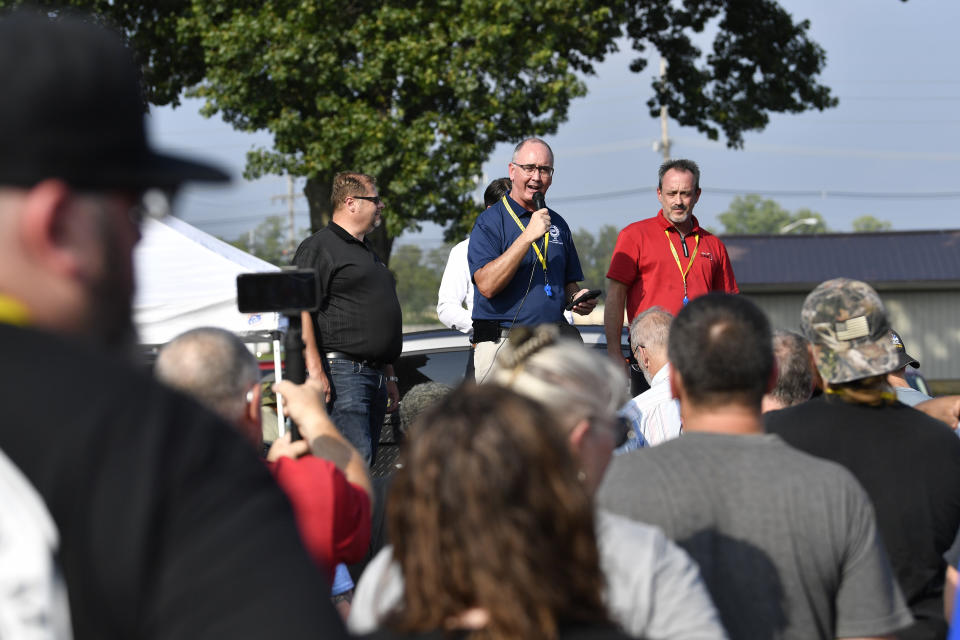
<point x="358" y="403"/>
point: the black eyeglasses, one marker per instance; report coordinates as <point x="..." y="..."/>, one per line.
<point x="373" y="199"/>
<point x="530" y="168"/>
<point x="635" y="367"/>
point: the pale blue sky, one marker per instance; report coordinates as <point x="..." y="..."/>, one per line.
<point x="894" y="139"/>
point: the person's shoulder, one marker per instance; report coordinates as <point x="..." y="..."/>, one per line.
<point x="493" y="213"/>
<point x="813" y="469"/>
<point x="790" y="418"/>
<point x="706" y="233"/>
<point x="933" y="431"/>
<point x="910" y="396"/>
<point x="312" y="246"/>
<point x="645" y="225"/>
<point x="94" y="379"/>
<point x="710" y="239"/>
<point x="318" y="237"/>
<point x="616" y="531"/>
<point x="629" y="470"/>
<point x="558" y="220"/>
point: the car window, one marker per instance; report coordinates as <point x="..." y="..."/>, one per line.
<point x="446" y="367"/>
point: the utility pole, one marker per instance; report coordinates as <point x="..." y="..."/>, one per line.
<point x="289" y="197"/>
<point x="664" y="143"/>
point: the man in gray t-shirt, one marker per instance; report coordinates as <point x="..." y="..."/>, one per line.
<point x="786" y="543"/>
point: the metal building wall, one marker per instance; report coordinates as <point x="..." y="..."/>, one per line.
<point x="928" y="321"/>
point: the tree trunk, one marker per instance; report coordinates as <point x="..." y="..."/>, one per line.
<point x="317" y="191"/>
<point x="381" y="242"/>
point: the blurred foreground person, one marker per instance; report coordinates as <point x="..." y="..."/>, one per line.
<point x="492" y="530"/>
<point x="324" y="477"/>
<point x="416" y="400"/>
<point x="127" y="510"/>
<point x="653" y="589"/>
<point x="908" y="462"/>
<point x="787" y="543"/>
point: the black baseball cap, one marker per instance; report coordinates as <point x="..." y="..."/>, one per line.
<point x="72" y="108"/>
<point x="904" y="357"/>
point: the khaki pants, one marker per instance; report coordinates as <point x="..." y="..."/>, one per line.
<point x="484" y="354"/>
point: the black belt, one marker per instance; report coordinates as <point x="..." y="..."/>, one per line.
<point x="493" y="331"/>
<point x="488" y="331"/>
<point x="339" y="355"/>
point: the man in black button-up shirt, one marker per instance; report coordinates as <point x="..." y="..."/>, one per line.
<point x="358" y="324"/>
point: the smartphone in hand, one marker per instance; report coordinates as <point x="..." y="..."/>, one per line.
<point x="589" y="295"/>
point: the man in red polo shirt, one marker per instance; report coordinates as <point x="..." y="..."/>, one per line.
<point x="666" y="260"/>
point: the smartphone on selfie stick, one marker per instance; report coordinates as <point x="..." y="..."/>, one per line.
<point x="288" y="291"/>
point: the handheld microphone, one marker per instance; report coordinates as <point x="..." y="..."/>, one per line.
<point x="538" y="201"/>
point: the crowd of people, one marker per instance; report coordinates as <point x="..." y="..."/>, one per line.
<point x="765" y="485"/>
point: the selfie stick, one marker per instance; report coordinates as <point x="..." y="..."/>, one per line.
<point x="296" y="365"/>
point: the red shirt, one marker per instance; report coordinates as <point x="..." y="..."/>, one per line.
<point x="643" y="261"/>
<point x="333" y="515"/>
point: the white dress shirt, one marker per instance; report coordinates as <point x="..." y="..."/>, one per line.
<point x="456" y="289"/>
<point x="655" y="414"/>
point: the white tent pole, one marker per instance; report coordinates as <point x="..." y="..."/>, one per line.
<point x="278" y="376"/>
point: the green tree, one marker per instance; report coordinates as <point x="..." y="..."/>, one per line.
<point x="418" y="281"/>
<point x="270" y="240"/>
<point x="869" y="223"/>
<point x="419" y="94"/>
<point x="595" y="253"/>
<point x="753" y="214"/>
<point x="761" y="61"/>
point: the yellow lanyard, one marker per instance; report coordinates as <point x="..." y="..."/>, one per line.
<point x="546" y="236"/>
<point x="540" y="256"/>
<point x="13" y="312"/>
<point x="683" y="272"/>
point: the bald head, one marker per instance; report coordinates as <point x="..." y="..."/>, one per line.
<point x="213" y="366"/>
<point x="649" y="335"/>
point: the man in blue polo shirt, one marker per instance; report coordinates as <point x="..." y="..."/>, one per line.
<point x="522" y="258"/>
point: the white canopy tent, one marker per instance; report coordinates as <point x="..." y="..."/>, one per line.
<point x="187" y="278"/>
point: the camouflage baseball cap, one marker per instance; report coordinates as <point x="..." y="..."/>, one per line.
<point x="848" y="327"/>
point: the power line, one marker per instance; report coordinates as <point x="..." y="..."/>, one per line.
<point x="243" y="218"/>
<point x="625" y="193"/>
<point x="900" y="98"/>
<point x="784" y="193"/>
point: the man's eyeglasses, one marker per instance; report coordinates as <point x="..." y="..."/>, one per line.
<point x="374" y="199"/>
<point x="636" y="354"/>
<point x="530" y="168"/>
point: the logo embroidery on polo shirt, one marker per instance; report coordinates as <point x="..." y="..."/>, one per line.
<point x="707" y="255"/>
<point x="555" y="234"/>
